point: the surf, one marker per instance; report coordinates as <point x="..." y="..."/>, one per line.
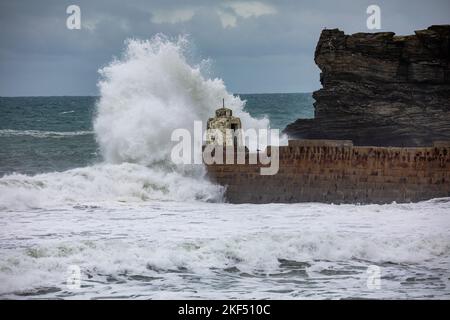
<point x="145" y="94"/>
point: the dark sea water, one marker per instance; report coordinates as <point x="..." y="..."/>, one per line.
<point x="136" y="229"/>
<point x="42" y="134"/>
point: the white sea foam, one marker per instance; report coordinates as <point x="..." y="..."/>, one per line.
<point x="151" y="91"/>
<point x="101" y="183"/>
<point x="132" y="226"/>
<point x="194" y="249"/>
<point x="42" y="134"/>
<point x="145" y="95"/>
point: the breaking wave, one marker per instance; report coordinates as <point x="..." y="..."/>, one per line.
<point x="42" y="134"/>
<point x="144" y="95"/>
<point x="202" y="247"/>
<point x="150" y="92"/>
<point x="102" y="183"/>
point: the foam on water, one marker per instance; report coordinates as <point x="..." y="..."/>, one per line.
<point x="104" y="183"/>
<point x="145" y="95"/>
<point x="150" y="92"/>
<point x="135" y="227"/>
<point x="180" y="250"/>
<point x="42" y="134"/>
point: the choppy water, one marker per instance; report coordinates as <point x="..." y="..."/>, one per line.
<point x="206" y="250"/>
<point x="86" y="182"/>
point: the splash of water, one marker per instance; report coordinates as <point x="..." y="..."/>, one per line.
<point x="145" y="95"/>
<point x="150" y="92"/>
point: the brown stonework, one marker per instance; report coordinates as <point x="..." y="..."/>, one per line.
<point x="334" y="171"/>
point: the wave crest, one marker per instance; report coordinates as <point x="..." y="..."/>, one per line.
<point x="104" y="183"/>
<point x="151" y="91"/>
<point x="42" y="134"/>
<point x="144" y="96"/>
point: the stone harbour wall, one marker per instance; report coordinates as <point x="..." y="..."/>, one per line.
<point x="336" y="171"/>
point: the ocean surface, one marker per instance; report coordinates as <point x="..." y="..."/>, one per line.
<point x="86" y="184"/>
<point x="44" y="134"/>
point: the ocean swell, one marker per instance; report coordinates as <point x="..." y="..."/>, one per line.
<point x="144" y="96"/>
<point x="42" y="134"/>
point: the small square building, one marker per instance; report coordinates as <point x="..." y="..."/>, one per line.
<point x="226" y="125"/>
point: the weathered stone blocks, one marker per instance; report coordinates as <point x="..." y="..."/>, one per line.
<point x="338" y="172"/>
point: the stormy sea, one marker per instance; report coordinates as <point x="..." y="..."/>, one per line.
<point x="86" y="184"/>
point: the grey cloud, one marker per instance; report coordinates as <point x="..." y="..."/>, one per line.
<point x="265" y="51"/>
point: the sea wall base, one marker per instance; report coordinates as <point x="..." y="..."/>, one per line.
<point x="333" y="171"/>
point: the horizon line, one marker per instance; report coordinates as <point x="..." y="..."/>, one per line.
<point x="96" y="96"/>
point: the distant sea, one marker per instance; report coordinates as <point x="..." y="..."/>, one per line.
<point x="43" y="134"/>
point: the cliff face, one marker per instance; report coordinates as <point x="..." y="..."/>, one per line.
<point x="380" y="89"/>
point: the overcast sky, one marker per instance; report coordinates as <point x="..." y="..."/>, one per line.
<point x="255" y="46"/>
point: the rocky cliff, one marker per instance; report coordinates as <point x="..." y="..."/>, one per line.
<point x="380" y="89"/>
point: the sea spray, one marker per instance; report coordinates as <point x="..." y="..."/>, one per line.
<point x="144" y="96"/>
<point x="151" y="91"/>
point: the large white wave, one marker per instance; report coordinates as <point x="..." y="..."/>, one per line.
<point x="42" y="134"/>
<point x="182" y="247"/>
<point x="151" y="91"/>
<point x="144" y="95"/>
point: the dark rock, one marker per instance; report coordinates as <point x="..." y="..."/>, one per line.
<point x="380" y="89"/>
